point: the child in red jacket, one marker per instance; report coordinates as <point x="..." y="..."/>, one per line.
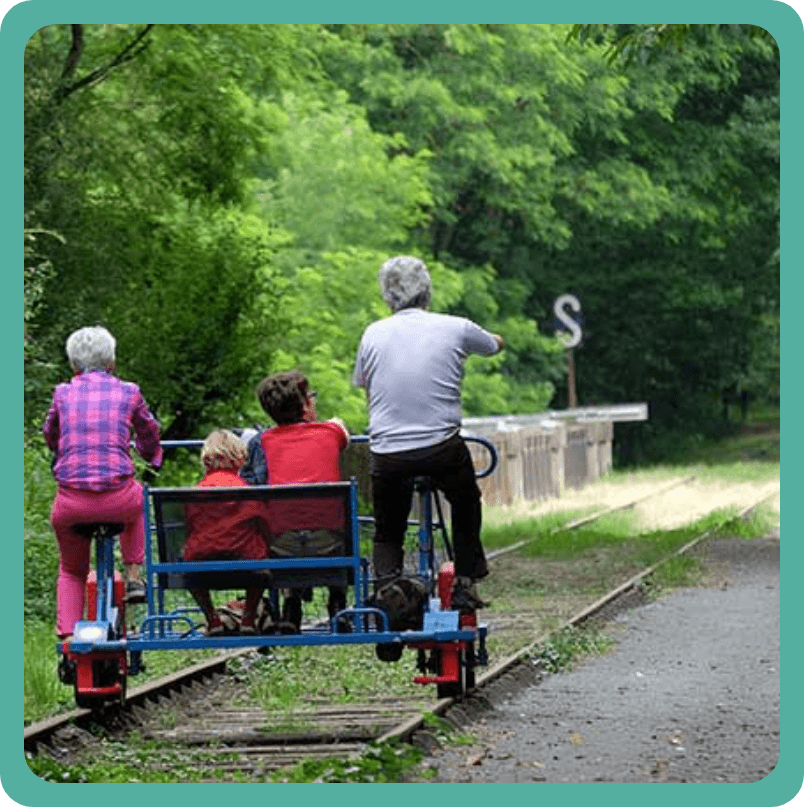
<point x="226" y="530"/>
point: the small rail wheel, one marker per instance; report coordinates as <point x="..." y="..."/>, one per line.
<point x="389" y="652"/>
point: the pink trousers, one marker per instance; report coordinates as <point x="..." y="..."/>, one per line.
<point x="81" y="507"/>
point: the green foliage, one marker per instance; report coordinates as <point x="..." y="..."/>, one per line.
<point x="679" y="571"/>
<point x="330" y="309"/>
<point x="221" y="196"/>
<point x="110" y="772"/>
<point x="44" y="694"/>
<point x="757" y="524"/>
<point x="215" y="279"/>
<point x="41" y="570"/>
<point x="565" y="648"/>
<point x="445" y="732"/>
<point x="650" y="192"/>
<point x="497" y="536"/>
<point x="466" y="93"/>
<point x="684" y="311"/>
<point x="287" y="678"/>
<point x="156" y="239"/>
<point x="386" y="762"/>
<point x="38" y="271"/>
<point x="645" y="42"/>
<point x="364" y="194"/>
<point x="40" y="551"/>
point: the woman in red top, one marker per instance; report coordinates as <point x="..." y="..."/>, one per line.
<point x="226" y="530"/>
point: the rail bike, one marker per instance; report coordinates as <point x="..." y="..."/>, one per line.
<point x="105" y="650"/>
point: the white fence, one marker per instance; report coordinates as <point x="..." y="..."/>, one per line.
<point x="540" y="461"/>
<point x="540" y="456"/>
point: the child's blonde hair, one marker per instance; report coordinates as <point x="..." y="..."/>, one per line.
<point x="223" y="450"/>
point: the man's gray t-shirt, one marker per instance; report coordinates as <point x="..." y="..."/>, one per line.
<point x="411" y="365"/>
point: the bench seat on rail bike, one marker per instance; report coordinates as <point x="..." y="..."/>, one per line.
<point x="313" y="540"/>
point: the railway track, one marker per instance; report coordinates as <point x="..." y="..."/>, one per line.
<point x="595" y="516"/>
<point x="200" y="717"/>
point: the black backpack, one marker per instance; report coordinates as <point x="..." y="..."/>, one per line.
<point x="403" y="600"/>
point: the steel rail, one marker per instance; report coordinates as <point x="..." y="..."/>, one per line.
<point x="588" y="519"/>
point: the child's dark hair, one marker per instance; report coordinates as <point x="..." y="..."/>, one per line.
<point x="283" y="396"/>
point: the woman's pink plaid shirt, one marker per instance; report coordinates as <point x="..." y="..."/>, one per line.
<point x="89" y="427"/>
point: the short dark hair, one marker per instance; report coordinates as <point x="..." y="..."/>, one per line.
<point x="283" y="396"/>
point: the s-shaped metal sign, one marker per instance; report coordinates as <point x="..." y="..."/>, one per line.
<point x="559" y="307"/>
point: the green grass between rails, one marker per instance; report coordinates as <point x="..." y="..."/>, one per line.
<point x="289" y="679"/>
<point x="386" y="763"/>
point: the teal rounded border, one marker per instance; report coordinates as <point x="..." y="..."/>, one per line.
<point x="19" y="785"/>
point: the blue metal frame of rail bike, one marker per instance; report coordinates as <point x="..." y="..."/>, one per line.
<point x="178" y="629"/>
<point x="88" y="635"/>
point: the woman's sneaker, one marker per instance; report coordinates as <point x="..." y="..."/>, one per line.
<point x="67" y="670"/>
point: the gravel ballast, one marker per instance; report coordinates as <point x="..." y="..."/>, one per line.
<point x="689" y="694"/>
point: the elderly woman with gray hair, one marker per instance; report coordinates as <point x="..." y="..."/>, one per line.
<point x="411" y="366"/>
<point x="89" y="426"/>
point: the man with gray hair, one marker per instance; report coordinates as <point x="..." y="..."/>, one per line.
<point x="411" y="366"/>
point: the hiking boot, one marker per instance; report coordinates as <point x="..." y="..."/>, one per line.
<point x="136" y="592"/>
<point x="292" y="612"/>
<point x="403" y="600"/>
<point x="465" y="596"/>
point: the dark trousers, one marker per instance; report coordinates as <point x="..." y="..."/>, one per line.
<point x="449" y="467"/>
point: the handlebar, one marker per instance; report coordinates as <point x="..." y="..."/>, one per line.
<point x="181" y="443"/>
<point x="363" y="438"/>
<point x="469" y="438"/>
<point x="489" y="446"/>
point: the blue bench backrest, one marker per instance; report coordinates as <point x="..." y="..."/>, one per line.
<point x="300" y="555"/>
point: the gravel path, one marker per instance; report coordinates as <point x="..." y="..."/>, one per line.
<point x="689" y="694"/>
